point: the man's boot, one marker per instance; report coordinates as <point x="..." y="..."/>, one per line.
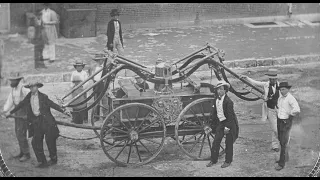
<point x="25" y="157"/>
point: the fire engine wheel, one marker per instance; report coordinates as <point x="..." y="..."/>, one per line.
<point x="133" y="134"/>
<point x="194" y="131"/>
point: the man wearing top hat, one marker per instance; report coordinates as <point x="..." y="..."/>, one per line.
<point x="288" y="108"/>
<point x="226" y="123"/>
<point x="271" y="95"/>
<point x="43" y="123"/>
<point x="77" y="77"/>
<point x="17" y="94"/>
<point x="114" y="33"/>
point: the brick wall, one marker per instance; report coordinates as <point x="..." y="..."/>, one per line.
<point x="139" y="13"/>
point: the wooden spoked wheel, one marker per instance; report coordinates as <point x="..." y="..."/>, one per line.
<point x="133" y="134"/>
<point x="97" y="119"/>
<point x="195" y="130"/>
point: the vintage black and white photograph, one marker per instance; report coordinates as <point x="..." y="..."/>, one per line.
<point x="159" y="89"/>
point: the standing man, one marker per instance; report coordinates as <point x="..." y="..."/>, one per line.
<point x="227" y="124"/>
<point x="38" y="41"/>
<point x="288" y="108"/>
<point x="43" y="123"/>
<point x="114" y="33"/>
<point x="271" y="95"/>
<point x="17" y="94"/>
<point x="99" y="58"/>
<point x="49" y="20"/>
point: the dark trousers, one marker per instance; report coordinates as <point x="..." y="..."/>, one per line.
<point x="217" y="141"/>
<point x="99" y="89"/>
<point x="79" y="117"/>
<point x="21" y="127"/>
<point x="42" y="129"/>
<point x="283" y="128"/>
<point x="38" y="49"/>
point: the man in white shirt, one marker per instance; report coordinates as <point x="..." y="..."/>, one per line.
<point x="271" y="95"/>
<point x="17" y="94"/>
<point x="77" y="77"/>
<point x="49" y="19"/>
<point x="226" y="123"/>
<point x="288" y="108"/>
<point x="79" y="72"/>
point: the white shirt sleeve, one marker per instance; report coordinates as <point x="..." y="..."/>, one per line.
<point x="257" y="83"/>
<point x="295" y="106"/>
<point x="9" y="103"/>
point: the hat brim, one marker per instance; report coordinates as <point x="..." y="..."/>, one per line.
<point x="74" y="65"/>
<point x="272" y="75"/>
<point x="38" y="84"/>
<point x="114" y="14"/>
<point x="224" y="84"/>
<point x="15" y="78"/>
<point x="288" y="87"/>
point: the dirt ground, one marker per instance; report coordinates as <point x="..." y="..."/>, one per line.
<point x="252" y="154"/>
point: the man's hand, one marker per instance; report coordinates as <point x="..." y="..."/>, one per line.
<point x="7" y="114"/>
<point x="226" y="130"/>
<point x="67" y="112"/>
<point x="111" y="45"/>
<point x="243" y="76"/>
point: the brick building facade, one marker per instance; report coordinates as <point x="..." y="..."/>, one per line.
<point x="158" y="14"/>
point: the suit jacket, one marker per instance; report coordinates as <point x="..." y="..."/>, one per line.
<point x="111" y="32"/>
<point x="44" y="106"/>
<point x="231" y="121"/>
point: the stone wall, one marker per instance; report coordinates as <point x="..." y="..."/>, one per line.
<point x="146" y="14"/>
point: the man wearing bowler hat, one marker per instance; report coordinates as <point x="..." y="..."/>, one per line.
<point x="17" y="94"/>
<point x="288" y="108"/>
<point x="114" y="33"/>
<point x="44" y="125"/>
<point x="226" y="124"/>
<point x="271" y="95"/>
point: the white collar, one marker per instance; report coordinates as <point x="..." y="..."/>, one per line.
<point x="222" y="98"/>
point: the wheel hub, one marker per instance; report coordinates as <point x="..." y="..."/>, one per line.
<point x="207" y="129"/>
<point x="134" y="135"/>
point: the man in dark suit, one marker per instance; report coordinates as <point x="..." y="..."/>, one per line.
<point x="227" y="124"/>
<point x="42" y="123"/>
<point x="114" y="33"/>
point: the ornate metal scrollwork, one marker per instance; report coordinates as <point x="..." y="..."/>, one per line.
<point x="169" y="107"/>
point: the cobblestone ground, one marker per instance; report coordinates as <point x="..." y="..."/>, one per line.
<point x="143" y="45"/>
